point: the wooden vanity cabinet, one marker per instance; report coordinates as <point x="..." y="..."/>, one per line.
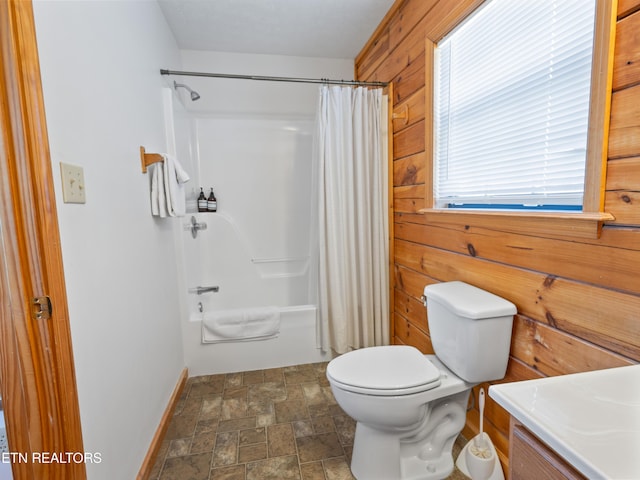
<point x="530" y="459"/>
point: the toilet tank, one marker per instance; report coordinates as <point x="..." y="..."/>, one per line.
<point x="470" y="330"/>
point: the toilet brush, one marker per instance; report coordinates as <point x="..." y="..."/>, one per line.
<point x="478" y="459"/>
<point x="480" y="447"/>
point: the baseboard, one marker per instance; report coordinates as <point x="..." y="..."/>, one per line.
<point x="152" y="453"/>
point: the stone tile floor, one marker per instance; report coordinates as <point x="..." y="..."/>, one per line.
<point x="280" y="423"/>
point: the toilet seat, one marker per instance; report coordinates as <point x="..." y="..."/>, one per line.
<point x="384" y="371"/>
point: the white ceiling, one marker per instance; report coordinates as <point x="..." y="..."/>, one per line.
<point x="307" y="28"/>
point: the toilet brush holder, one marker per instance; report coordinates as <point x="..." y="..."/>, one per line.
<point x="479" y="460"/>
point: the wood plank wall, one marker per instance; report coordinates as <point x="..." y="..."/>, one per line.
<point x="578" y="300"/>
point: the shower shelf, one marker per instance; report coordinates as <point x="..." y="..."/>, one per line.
<point x="149" y="158"/>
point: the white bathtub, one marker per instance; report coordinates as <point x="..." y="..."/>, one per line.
<point x="295" y="345"/>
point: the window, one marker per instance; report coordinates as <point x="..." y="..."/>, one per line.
<point x="512" y="106"/>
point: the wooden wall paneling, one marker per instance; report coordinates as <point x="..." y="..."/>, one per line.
<point x="518" y="370"/>
<point x="411" y="281"/>
<point x="408" y="19"/>
<point x="621" y="237"/>
<point x="624" y="206"/>
<point x="409" y="141"/>
<point x="624" y="174"/>
<point x="399" y="55"/>
<point x="409" y="205"/>
<point x="624" y="133"/>
<point x="409" y="80"/>
<point x="409" y="170"/>
<point x="389" y="67"/>
<point x="377" y="72"/>
<point x="412" y="309"/>
<point x="411" y="335"/>
<point x="605" y="317"/>
<point x="402" y="217"/>
<point x="616" y="268"/>
<point x="374" y="57"/>
<point x="415" y="192"/>
<point x="410" y="51"/>
<point x="373" y="44"/>
<point x="397" y="341"/>
<point x="626" y="61"/>
<point x="553" y="352"/>
<point x="414" y="106"/>
<point x="409" y="198"/>
<point x="626" y="7"/>
<point x="615" y="236"/>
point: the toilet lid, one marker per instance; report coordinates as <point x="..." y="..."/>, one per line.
<point x="395" y="370"/>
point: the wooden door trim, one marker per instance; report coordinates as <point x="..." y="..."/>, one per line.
<point x="38" y="388"/>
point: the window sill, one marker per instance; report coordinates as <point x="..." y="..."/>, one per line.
<point x="556" y="224"/>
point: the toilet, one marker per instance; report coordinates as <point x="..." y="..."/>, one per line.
<point x="410" y="407"/>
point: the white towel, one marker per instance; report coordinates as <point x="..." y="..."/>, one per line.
<point x="174" y="179"/>
<point x="158" y="200"/>
<point x="167" y="188"/>
<point x="240" y="325"/>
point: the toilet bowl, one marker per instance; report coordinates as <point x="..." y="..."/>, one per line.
<point x="411" y="432"/>
<point x="410" y="407"/>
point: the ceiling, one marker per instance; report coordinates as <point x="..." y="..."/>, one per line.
<point x="306" y="28"/>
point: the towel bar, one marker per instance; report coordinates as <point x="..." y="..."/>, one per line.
<point x="149" y="159"/>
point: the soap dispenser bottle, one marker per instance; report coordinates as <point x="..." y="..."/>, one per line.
<point x="212" y="203"/>
<point x="202" y="201"/>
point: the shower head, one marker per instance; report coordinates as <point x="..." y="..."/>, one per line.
<point x="194" y="95"/>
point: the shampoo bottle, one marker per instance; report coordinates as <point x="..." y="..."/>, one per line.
<point x="212" y="203"/>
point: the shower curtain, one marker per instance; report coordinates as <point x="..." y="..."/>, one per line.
<point x="351" y="219"/>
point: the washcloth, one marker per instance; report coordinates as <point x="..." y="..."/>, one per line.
<point x="240" y="324"/>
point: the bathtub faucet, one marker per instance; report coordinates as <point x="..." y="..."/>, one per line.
<point x="200" y="290"/>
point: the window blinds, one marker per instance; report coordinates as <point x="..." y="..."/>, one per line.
<point x="512" y="106"/>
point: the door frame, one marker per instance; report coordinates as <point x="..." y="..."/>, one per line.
<point x="37" y="375"/>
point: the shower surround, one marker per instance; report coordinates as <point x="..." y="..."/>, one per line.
<point x="252" y="143"/>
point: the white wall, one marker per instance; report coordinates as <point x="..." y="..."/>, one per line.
<point x="102" y="89"/>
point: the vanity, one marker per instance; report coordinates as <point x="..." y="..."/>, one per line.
<point x="584" y="425"/>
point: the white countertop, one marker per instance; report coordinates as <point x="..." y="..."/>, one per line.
<point x="590" y="419"/>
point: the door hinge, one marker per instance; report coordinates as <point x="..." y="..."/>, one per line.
<point x="42" y="307"/>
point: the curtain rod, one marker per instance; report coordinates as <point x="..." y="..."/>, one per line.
<point x="275" y="79"/>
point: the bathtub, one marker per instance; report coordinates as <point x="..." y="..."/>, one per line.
<point x="295" y="345"/>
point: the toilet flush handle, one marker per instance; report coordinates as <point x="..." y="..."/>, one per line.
<point x="424" y="300"/>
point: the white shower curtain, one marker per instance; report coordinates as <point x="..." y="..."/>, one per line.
<point x="352" y="219"/>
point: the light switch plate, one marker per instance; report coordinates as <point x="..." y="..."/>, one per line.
<point x="72" y="183"/>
